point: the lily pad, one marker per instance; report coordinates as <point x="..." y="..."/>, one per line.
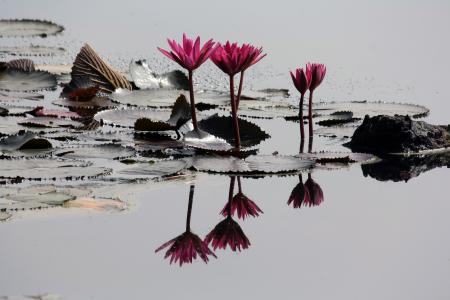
<point x="23" y="141"/>
<point x="252" y="165"/>
<point x="156" y="169"/>
<point x="49" y="122"/>
<point x="94" y="103"/>
<point x="338" y="118"/>
<point x="127" y="117"/>
<point x="107" y="151"/>
<point x="28" y="28"/>
<point x="32" y="50"/>
<point x="220" y="126"/>
<point x="19" y="81"/>
<point x="8" y="96"/>
<point x="40" y="169"/>
<point x="362" y="108"/>
<point x="144" y="78"/>
<point x="338" y="157"/>
<point x="54" y="113"/>
<point x="202" y="140"/>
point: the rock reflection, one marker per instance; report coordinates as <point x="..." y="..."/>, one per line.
<point x="403" y="168"/>
<point x="241" y="204"/>
<point x="185" y="247"/>
<point x="308" y="194"/>
<point x="228" y="232"/>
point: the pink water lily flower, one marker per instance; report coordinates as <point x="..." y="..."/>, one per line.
<point x="227" y="233"/>
<point x="302" y="81"/>
<point x="190" y="55"/>
<point x="233" y="59"/>
<point x="318" y="72"/>
<point x="185" y="248"/>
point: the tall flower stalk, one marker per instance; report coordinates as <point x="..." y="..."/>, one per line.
<point x="232" y="59"/>
<point x="190" y="55"/>
<point x="302" y="81"/>
<point x="318" y="72"/>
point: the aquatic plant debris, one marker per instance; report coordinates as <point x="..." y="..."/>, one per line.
<point x="144" y="78"/>
<point x="28" y="28"/>
<point x="88" y="65"/>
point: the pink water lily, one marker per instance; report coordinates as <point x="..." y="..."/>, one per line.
<point x="190" y="55"/>
<point x="233" y="59"/>
<point x="318" y="72"/>
<point x="302" y="81"/>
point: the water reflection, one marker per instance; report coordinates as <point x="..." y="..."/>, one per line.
<point x="403" y="168"/>
<point x="185" y="247"/>
<point x="307" y="194"/>
<point x="241" y="204"/>
<point x="228" y="232"/>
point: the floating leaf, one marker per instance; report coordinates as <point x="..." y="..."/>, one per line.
<point x="338" y="157"/>
<point x="49" y="122"/>
<point x="220" y="126"/>
<point x="94" y="103"/>
<point x="338" y="118"/>
<point x="39" y="169"/>
<point x="362" y="108"/>
<point x="19" y="81"/>
<point x="158" y="168"/>
<point x="203" y="140"/>
<point x="32" y="50"/>
<point x="106" y="151"/>
<point x="22" y="97"/>
<point x="55" y="113"/>
<point x="126" y="117"/>
<point x="88" y="65"/>
<point x="144" y="78"/>
<point x="255" y="164"/>
<point x="23" y="141"/>
<point x="28" y="28"/>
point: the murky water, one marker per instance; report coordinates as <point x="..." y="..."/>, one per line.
<point x="368" y="240"/>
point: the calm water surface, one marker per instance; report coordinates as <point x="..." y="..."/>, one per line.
<point x="368" y="239"/>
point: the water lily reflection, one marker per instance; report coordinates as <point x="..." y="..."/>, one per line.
<point x="228" y="232"/>
<point x="241" y="204"/>
<point x="185" y="247"/>
<point x="307" y="194"/>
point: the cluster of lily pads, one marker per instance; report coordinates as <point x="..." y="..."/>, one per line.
<point x="89" y="125"/>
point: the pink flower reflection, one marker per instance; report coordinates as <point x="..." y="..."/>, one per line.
<point x="242" y="205"/>
<point x="185" y="248"/>
<point x="315" y="193"/>
<point x="227" y="232"/>
<point x="299" y="194"/>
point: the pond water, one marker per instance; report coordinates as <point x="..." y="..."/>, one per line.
<point x="368" y="239"/>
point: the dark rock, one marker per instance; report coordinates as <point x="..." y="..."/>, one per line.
<point x="398" y="134"/>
